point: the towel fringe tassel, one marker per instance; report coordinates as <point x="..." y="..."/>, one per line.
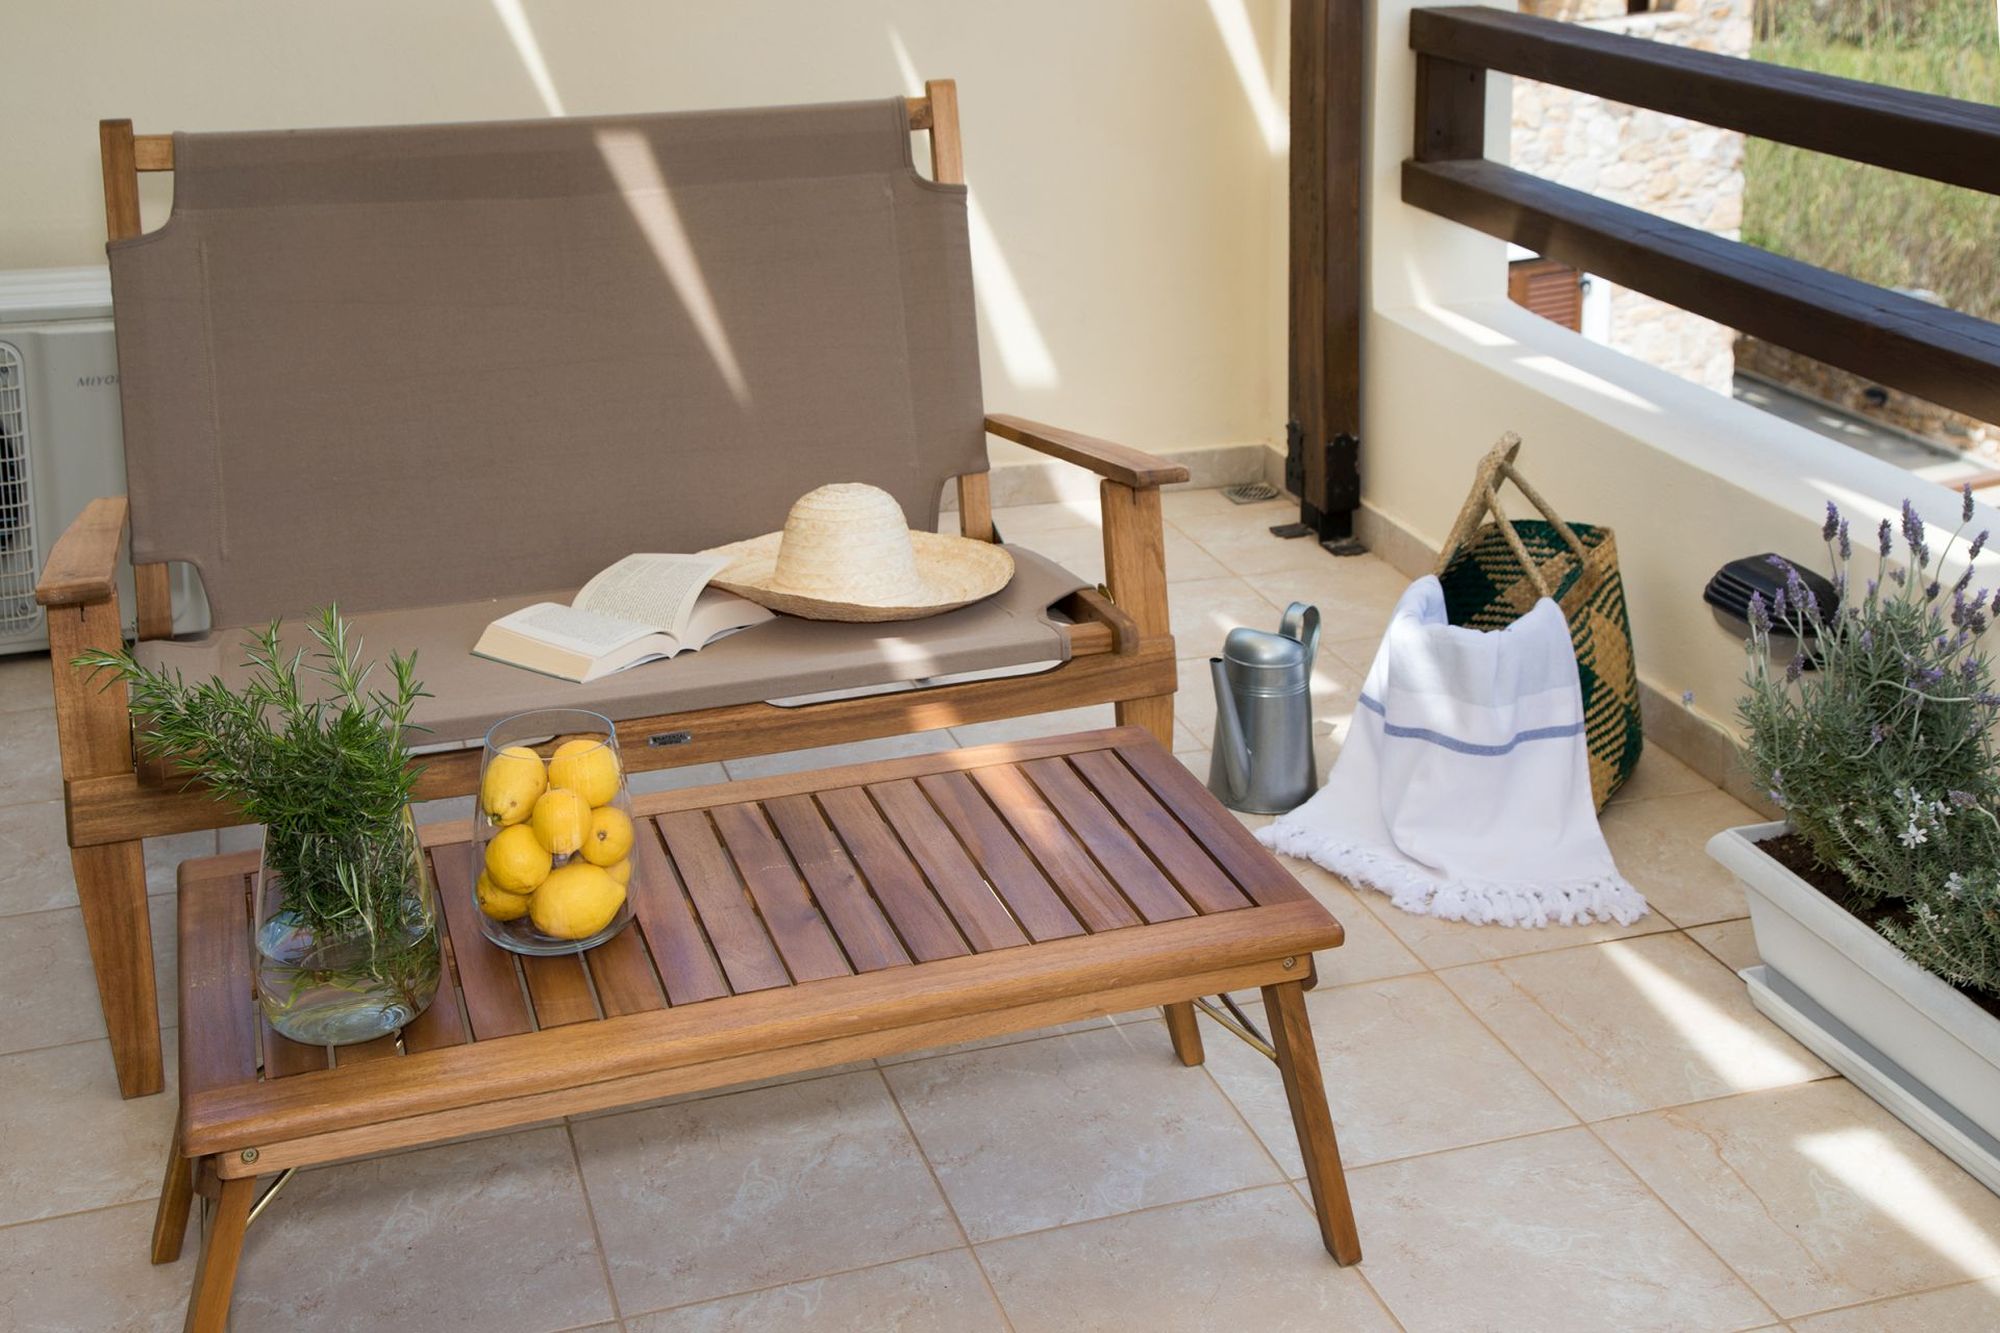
<point x="1480" y="902"/>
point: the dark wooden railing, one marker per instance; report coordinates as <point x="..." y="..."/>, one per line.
<point x="1924" y="349"/>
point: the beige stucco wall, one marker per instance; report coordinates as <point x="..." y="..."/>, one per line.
<point x="1123" y="154"/>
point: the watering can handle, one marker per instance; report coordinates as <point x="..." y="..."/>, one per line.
<point x="1301" y="622"/>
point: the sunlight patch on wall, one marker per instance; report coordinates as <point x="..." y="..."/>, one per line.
<point x="1239" y="38"/>
<point x="1024" y="352"/>
<point x="515" y="20"/>
<point x="629" y="158"/>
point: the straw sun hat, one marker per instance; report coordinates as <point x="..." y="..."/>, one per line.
<point x="848" y="554"/>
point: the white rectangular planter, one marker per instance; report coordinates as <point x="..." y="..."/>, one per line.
<point x="1913" y="1043"/>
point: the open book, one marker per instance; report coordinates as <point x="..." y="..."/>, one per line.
<point x="641" y="609"/>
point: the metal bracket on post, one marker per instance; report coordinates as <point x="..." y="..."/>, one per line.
<point x="1333" y="527"/>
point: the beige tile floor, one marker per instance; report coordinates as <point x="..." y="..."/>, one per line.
<point x="1550" y="1130"/>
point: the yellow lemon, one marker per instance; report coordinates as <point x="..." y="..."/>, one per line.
<point x="516" y="861"/>
<point x="622" y="872"/>
<point x="610" y="836"/>
<point x="561" y="820"/>
<point x="498" y="903"/>
<point x="514" y="779"/>
<point x="576" y="901"/>
<point x="587" y="767"/>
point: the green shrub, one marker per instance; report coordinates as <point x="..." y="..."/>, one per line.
<point x="1883" y="757"/>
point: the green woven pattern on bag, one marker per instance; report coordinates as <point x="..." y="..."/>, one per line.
<point x="1486" y="588"/>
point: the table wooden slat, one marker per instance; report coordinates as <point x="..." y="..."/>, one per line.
<point x="855" y="916"/>
<point x="1013" y="873"/>
<point x="981" y="916"/>
<point x="284" y="1057"/>
<point x="1124" y="861"/>
<point x="801" y="933"/>
<point x="623" y="973"/>
<point x="218" y="992"/>
<point x="442" y="1024"/>
<point x="921" y="921"/>
<point x="744" y="948"/>
<point x="1232" y="845"/>
<point x="486" y="976"/>
<point x="687" y="968"/>
<point x="558" y="989"/>
<point x="1184" y="860"/>
<point x="1075" y="876"/>
<point x="381" y="1048"/>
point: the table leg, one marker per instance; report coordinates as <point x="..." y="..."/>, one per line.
<point x="176" y="1199"/>
<point x="1298" y="1062"/>
<point x="1186" y="1036"/>
<point x="215" y="1276"/>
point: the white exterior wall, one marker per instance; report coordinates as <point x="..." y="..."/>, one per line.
<point x="1689" y="479"/>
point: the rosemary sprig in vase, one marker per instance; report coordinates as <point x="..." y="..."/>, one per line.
<point x="347" y="939"/>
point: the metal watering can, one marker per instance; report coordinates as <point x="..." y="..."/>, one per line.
<point x="1262" y="760"/>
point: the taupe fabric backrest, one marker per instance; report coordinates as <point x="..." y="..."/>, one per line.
<point x="412" y="366"/>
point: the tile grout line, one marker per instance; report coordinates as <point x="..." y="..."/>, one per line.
<point x="791" y="1282"/>
<point x="1615" y="1156"/>
<point x="937" y="1183"/>
<point x="596" y="1231"/>
<point x="1381" y="1302"/>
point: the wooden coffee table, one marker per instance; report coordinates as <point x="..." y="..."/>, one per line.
<point x="784" y="924"/>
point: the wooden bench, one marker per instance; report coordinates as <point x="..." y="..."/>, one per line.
<point x="785" y="924"/>
<point x="1114" y="647"/>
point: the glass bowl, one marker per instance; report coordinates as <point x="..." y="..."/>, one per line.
<point x="554" y="833"/>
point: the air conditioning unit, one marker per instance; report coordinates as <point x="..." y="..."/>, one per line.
<point x="60" y="446"/>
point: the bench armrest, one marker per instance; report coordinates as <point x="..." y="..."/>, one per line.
<point x="1115" y="462"/>
<point x="82" y="568"/>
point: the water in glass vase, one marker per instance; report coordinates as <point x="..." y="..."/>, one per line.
<point x="355" y="960"/>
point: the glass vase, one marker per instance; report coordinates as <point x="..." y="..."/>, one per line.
<point x="353" y="954"/>
<point x="554" y="832"/>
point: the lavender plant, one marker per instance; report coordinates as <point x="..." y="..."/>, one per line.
<point x="1883" y="758"/>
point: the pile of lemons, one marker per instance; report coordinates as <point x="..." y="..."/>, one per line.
<point x="562" y="857"/>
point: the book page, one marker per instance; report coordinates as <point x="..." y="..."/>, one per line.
<point x="569" y="627"/>
<point x="658" y="591"/>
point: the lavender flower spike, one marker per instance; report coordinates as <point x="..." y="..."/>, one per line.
<point x="1978" y="545"/>
<point x="1831" y="528"/>
<point x="1760" y="614"/>
<point x="1885" y="538"/>
<point x="1965" y="511"/>
<point x="1846" y="542"/>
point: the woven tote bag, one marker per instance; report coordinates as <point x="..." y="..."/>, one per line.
<point x="1494" y="568"/>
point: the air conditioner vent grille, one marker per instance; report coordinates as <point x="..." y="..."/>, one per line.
<point x="19" y="612"/>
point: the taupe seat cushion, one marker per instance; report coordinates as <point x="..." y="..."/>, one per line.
<point x="777" y="660"/>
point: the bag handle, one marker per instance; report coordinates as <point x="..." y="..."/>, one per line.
<point x="1484" y="499"/>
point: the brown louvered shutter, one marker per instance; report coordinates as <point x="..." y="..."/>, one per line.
<point x="1553" y="291"/>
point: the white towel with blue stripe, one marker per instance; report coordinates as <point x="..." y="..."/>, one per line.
<point x="1463" y="790"/>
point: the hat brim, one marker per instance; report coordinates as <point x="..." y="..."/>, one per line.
<point x="951" y="572"/>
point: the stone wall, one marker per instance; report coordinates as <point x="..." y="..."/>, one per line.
<point x="1868" y="400"/>
<point x="1681" y="170"/>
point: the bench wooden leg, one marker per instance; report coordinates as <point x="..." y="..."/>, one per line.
<point x="176" y="1201"/>
<point x="1187" y="1037"/>
<point x="215" y="1276"/>
<point x="1298" y="1062"/>
<point x="111" y="887"/>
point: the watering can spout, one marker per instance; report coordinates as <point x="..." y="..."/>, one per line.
<point x="1230" y="764"/>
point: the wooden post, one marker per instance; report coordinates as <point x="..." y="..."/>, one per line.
<point x="94" y="733"/>
<point x="215" y="1275"/>
<point x="170" y="1219"/>
<point x="1135" y="546"/>
<point x="1298" y="1063"/>
<point x="1323" y="449"/>
<point x="153" y="592"/>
